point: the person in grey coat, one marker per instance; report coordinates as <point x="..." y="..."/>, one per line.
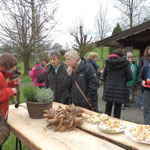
<point x="116" y="73"/>
<point x="54" y="77"/>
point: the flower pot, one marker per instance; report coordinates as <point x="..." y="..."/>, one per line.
<point x="35" y="109"/>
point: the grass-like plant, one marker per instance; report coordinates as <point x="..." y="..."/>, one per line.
<point x="29" y="93"/>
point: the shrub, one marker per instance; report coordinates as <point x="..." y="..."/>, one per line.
<point x="34" y="94"/>
<point x="44" y="95"/>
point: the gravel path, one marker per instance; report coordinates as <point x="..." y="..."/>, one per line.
<point x="132" y="113"/>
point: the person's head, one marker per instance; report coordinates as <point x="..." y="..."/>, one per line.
<point x="44" y="61"/>
<point x="130" y="56"/>
<point x="37" y="61"/>
<point x="8" y="62"/>
<point x="55" y="58"/>
<point x="119" y="52"/>
<point x="147" y="52"/>
<point x="72" y="58"/>
<point x="93" y="56"/>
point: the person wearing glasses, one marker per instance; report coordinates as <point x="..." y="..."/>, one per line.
<point x="131" y="84"/>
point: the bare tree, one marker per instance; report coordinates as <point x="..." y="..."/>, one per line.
<point x="26" y="26"/>
<point x="102" y="25"/>
<point x="133" y="11"/>
<point x="82" y="44"/>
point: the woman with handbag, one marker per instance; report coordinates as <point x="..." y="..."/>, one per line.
<point x="81" y="81"/>
<point x="8" y="64"/>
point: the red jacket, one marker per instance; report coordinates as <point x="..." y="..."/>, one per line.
<point x="5" y="90"/>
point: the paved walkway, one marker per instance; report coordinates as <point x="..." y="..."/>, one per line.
<point x="132" y="113"/>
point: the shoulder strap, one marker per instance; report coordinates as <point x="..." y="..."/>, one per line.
<point x="39" y="68"/>
<point x="87" y="100"/>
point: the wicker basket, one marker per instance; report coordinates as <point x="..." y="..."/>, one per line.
<point x="35" y="109"/>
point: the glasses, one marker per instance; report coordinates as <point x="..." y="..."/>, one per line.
<point x="130" y="57"/>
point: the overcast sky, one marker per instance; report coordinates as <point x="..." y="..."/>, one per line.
<point x="69" y="12"/>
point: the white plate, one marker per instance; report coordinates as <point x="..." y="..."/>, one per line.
<point x="108" y="130"/>
<point x="128" y="134"/>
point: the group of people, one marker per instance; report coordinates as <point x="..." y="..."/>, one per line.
<point x="77" y="80"/>
<point x="70" y="80"/>
<point x="120" y="78"/>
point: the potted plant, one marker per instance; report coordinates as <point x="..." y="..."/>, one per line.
<point x="37" y="100"/>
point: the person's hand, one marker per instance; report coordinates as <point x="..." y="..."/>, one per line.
<point x="14" y="90"/>
<point x="69" y="71"/>
<point x="101" y="71"/>
<point x="17" y="81"/>
<point x="143" y="82"/>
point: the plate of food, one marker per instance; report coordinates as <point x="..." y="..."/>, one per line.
<point x="95" y="118"/>
<point x="112" y="126"/>
<point x="138" y="133"/>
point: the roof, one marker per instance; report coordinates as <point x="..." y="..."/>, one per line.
<point x="138" y="37"/>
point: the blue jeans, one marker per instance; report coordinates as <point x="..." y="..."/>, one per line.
<point x="141" y="99"/>
<point x="146" y="100"/>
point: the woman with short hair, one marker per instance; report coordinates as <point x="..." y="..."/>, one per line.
<point x="8" y="64"/>
<point x="131" y="84"/>
<point x="92" y="58"/>
<point x="82" y="73"/>
<point x="54" y="77"/>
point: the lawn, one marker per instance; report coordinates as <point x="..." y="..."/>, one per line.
<point x="106" y="53"/>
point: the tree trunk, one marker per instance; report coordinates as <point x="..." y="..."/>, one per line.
<point x="26" y="65"/>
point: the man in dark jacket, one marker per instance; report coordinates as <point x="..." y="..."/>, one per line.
<point x="85" y="76"/>
<point x="116" y="73"/>
<point x="54" y="77"/>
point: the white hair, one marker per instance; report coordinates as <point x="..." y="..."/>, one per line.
<point x="129" y="54"/>
<point x="72" y="53"/>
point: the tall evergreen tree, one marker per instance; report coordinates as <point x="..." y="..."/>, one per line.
<point x="116" y="30"/>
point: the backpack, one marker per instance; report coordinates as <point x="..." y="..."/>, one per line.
<point x="40" y="77"/>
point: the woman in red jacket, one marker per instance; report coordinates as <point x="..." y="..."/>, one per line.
<point x="7" y="66"/>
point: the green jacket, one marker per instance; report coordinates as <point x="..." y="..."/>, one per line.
<point x="134" y="76"/>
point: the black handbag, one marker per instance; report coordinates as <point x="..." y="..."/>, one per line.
<point x="4" y="129"/>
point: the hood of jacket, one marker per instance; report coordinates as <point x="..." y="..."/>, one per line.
<point x="116" y="63"/>
<point x="5" y="73"/>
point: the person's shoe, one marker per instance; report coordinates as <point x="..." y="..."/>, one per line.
<point x="142" y="108"/>
<point x="99" y="111"/>
<point x="123" y="106"/>
<point x="127" y="105"/>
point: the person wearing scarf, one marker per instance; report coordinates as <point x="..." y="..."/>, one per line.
<point x="54" y="77"/>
